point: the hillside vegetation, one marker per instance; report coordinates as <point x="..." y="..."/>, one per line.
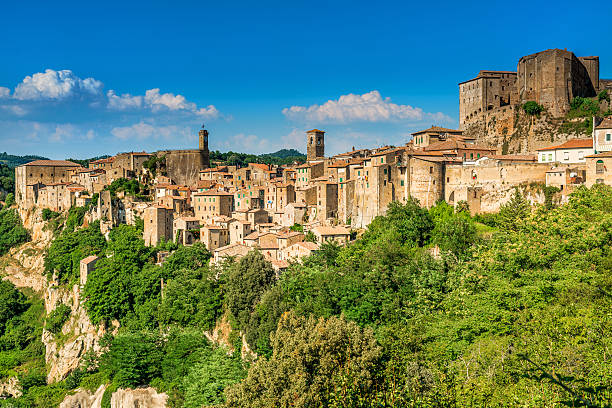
<point x="428" y="308"/>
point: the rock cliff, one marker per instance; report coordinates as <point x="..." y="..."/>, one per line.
<point x="512" y="131"/>
<point x="122" y="398"/>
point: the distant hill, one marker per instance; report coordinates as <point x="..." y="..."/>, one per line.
<point x="284" y="153"/>
<point x="283" y="156"/>
<point x="13" y="161"/>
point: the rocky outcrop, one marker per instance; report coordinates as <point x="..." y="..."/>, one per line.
<point x="25" y="268"/>
<point x="10" y="388"/>
<point x="140" y="397"/>
<point x="512" y="131"/>
<point x="122" y="398"/>
<point x="84" y="399"/>
<point x="78" y="334"/>
<point x="25" y="265"/>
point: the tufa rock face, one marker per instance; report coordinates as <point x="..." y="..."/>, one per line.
<point x="122" y="398"/>
<point x="84" y="399"/>
<point x="138" y="398"/>
<point x="82" y="336"/>
<point x="10" y="388"/>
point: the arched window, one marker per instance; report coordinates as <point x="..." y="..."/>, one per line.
<point x="599" y="167"/>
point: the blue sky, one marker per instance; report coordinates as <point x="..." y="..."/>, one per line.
<point x="83" y="79"/>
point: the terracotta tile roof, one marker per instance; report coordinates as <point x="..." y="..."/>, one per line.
<point x="571" y="144"/>
<point x="332" y="230"/>
<point x="54" y="163"/>
<point x="252" y="235"/>
<point x="315" y="131"/>
<point x="102" y="161"/>
<point x="338" y="165"/>
<point x="286" y="235"/>
<point x="89" y="259"/>
<point x="605" y="124"/>
<point x="437" y="129"/>
<point x="260" y="166"/>
<point x="282" y="264"/>
<point x="308" y="245"/>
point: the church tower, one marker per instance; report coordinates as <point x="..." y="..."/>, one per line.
<point x="204" y="153"/>
<point x="315" y="144"/>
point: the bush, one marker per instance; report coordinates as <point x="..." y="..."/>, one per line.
<point x="9" y="200"/>
<point x="603" y="96"/>
<point x="57" y="318"/>
<point x="532" y="108"/>
<point x="12" y="232"/>
<point x="47" y="214"/>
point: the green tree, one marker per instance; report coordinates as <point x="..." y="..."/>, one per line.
<point x="514" y="211"/>
<point x="312" y="361"/>
<point x="247" y="280"/>
<point x="532" y="108"/>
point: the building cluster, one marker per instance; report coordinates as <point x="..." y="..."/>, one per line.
<point x="289" y="211"/>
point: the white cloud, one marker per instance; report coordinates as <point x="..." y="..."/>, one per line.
<point x="56" y="85"/>
<point x="4" y="92"/>
<point x="369" y="107"/>
<point x="14" y="109"/>
<point x="143" y="131"/>
<point x="156" y="101"/>
<point x="62" y="132"/>
<point x="123" y="102"/>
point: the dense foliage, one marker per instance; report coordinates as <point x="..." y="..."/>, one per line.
<point x="427" y="308"/>
<point x="12" y="232"/>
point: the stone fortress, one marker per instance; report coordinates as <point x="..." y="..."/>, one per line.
<point x="551" y="78"/>
<point x="233" y="209"/>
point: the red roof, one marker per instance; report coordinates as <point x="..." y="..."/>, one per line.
<point x="58" y="163"/>
<point x="437" y="129"/>
<point x="315" y="131"/>
<point x="572" y="144"/>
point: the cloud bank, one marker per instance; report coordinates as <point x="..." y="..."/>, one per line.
<point x="369" y="107"/>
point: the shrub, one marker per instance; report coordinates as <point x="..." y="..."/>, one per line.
<point x="57" y="318"/>
<point x="12" y="232"/>
<point x="9" y="200"/>
<point x="532" y="108"/>
<point x="47" y="214"/>
<point x="603" y="96"/>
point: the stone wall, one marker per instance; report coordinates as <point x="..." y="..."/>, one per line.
<point x="183" y="166"/>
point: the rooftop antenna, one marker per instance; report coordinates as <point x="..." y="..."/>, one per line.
<point x="203" y="126"/>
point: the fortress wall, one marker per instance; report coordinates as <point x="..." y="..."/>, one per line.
<point x="183" y="166"/>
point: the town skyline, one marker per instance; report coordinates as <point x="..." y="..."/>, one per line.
<point x="105" y="91"/>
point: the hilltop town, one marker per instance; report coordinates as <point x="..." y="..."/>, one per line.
<point x="288" y="211"/>
<point x="466" y="267"/>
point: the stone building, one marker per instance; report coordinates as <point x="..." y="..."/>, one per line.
<point x="315" y="145"/>
<point x="86" y="266"/>
<point x="599" y="169"/>
<point x="30" y="177"/>
<point x="488" y="91"/>
<point x="552" y="78"/>
<point x="183" y="166"/>
<point x="210" y="204"/>
<point x="184" y="230"/>
<point x="158" y="225"/>
<point x="571" y="152"/>
<point x="602" y="134"/>
<point x="214" y="236"/>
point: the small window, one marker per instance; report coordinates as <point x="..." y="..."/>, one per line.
<point x="565" y="156"/>
<point x="608" y="137"/>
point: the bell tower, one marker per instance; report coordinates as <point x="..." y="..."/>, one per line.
<point x="204" y="153"/>
<point x="315" y="144"/>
